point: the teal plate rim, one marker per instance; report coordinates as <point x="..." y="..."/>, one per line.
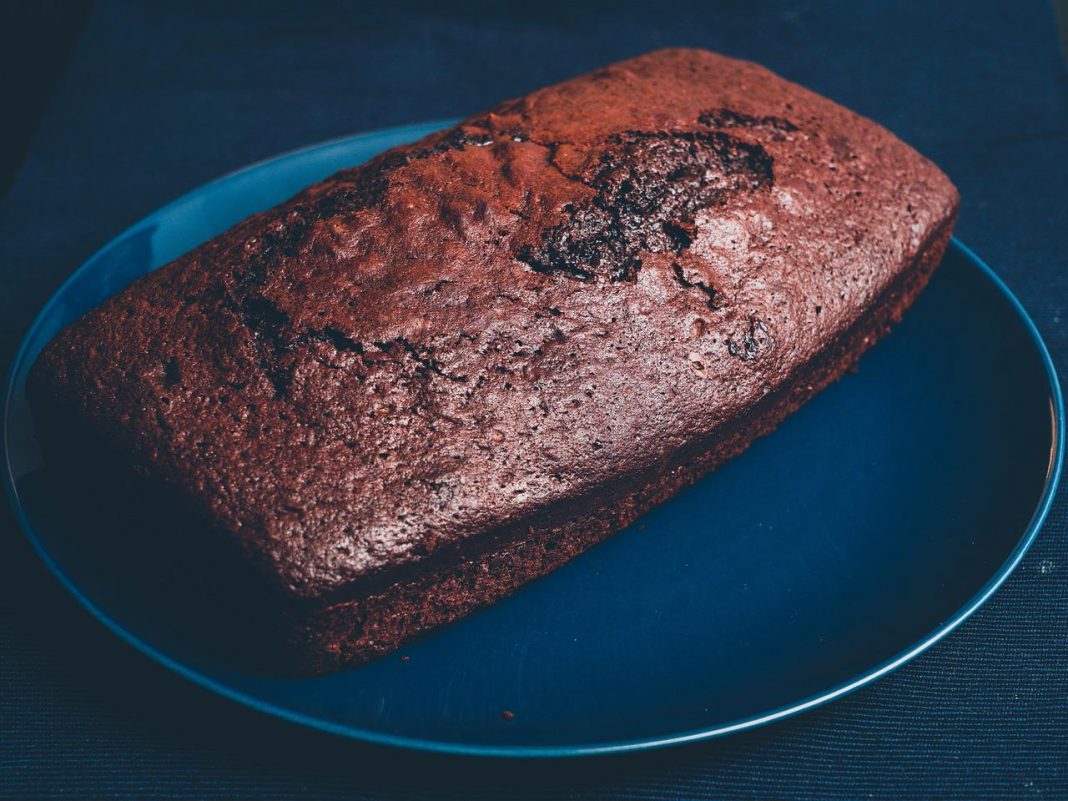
<point x="206" y="682"/>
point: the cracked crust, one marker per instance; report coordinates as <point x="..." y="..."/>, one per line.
<point x="496" y="328"/>
<point x="358" y="629"/>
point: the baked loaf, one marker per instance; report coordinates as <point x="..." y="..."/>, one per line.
<point x="431" y="378"/>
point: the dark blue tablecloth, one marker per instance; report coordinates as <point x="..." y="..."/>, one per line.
<point x="156" y="102"/>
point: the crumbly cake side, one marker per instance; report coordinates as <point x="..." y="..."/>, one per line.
<point x="508" y="338"/>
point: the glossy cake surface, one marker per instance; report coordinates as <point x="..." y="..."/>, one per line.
<point x="430" y="378"/>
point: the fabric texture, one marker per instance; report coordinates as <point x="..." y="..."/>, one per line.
<point x="157" y="101"/>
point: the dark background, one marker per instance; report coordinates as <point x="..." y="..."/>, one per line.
<point x="112" y="109"/>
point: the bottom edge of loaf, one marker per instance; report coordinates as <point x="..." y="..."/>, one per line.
<point x="355" y="631"/>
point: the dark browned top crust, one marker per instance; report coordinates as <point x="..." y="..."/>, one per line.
<point x="503" y="319"/>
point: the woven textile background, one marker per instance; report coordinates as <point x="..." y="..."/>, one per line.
<point x="156" y="102"/>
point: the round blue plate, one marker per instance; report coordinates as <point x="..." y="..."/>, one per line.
<point x="864" y="530"/>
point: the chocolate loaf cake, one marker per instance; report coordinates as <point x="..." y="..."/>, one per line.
<point x="431" y="378"/>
